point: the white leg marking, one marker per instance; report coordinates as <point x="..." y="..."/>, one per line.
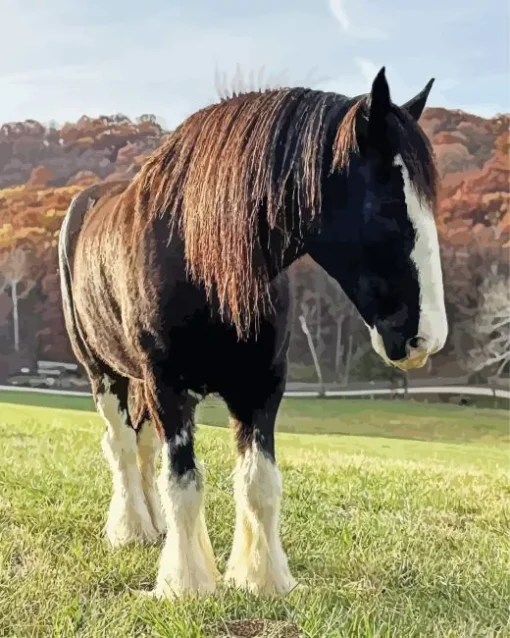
<point x="148" y="449"/>
<point x="128" y="519"/>
<point x="433" y="325"/>
<point x="187" y="564"/>
<point x="257" y="561"/>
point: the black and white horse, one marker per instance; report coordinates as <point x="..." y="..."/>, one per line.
<point x="174" y="286"/>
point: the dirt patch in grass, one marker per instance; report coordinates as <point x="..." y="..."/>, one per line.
<point x="259" y="629"/>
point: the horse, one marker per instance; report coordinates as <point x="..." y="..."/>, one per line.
<point x="175" y="286"/>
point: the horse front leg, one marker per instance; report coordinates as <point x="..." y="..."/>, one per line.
<point x="187" y="563"/>
<point x="257" y="561"/>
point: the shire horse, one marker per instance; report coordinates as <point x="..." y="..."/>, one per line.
<point x="174" y="286"/>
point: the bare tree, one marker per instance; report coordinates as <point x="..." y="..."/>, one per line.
<point x="3" y="279"/>
<point x="464" y="272"/>
<point x="492" y="325"/>
<point x="332" y="330"/>
<point x="313" y="352"/>
<point x="348" y="361"/>
<point x="341" y="311"/>
<point x="14" y="269"/>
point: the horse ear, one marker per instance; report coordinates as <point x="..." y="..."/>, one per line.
<point x="374" y="128"/>
<point x="380" y="101"/>
<point x="416" y="105"/>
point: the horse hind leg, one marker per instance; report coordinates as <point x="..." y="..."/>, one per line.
<point x="148" y="448"/>
<point x="129" y="519"/>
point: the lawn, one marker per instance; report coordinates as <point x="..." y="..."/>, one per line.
<point x="400" y="528"/>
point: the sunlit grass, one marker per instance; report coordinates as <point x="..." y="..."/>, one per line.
<point x="391" y="537"/>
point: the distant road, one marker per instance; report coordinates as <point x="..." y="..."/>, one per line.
<point x="465" y="390"/>
<point x="451" y="389"/>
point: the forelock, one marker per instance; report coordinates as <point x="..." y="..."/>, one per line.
<point x="416" y="153"/>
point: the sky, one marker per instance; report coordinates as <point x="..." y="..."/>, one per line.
<point x="60" y="59"/>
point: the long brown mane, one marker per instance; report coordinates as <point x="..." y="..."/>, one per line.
<point x="254" y="151"/>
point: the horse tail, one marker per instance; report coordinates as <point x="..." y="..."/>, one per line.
<point x="69" y="231"/>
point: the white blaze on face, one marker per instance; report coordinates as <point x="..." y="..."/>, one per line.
<point x="433" y="326"/>
<point x="378" y="343"/>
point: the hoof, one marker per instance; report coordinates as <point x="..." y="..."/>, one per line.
<point x="270" y="585"/>
<point x="176" y="590"/>
<point x="131" y="532"/>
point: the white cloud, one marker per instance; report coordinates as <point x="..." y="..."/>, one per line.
<point x="336" y="7"/>
<point x="366" y="31"/>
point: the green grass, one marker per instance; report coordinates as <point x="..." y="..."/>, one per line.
<point x="42" y="400"/>
<point x="399" y="529"/>
<point x="409" y="420"/>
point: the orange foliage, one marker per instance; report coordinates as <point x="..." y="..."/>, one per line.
<point x="40" y="176"/>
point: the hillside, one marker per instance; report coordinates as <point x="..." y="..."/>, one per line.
<point x="472" y="153"/>
<point x="89" y="149"/>
<point x="42" y="168"/>
<point x="474" y="164"/>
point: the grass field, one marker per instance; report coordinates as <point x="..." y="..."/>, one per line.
<point x="401" y="528"/>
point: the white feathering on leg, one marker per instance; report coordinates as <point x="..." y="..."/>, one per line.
<point x="257" y="561"/>
<point x="128" y="518"/>
<point x="187" y="563"/>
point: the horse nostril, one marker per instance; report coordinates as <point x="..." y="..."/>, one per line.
<point x="415" y="342"/>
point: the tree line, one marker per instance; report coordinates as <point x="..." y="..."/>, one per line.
<point x="43" y="168"/>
